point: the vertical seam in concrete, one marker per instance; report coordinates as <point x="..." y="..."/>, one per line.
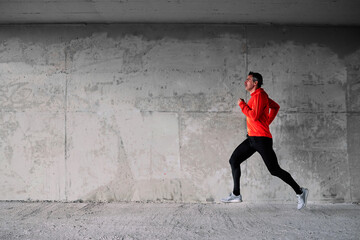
<point x="65" y="122"/>
<point x="246" y="62"/>
<point x="246" y="51"/>
<point x="65" y="125"/>
<point x="179" y="135"/>
<point x="347" y="101"/>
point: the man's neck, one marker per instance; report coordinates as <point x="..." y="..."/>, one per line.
<point x="253" y="90"/>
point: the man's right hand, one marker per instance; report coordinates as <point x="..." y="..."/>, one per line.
<point x="240" y="100"/>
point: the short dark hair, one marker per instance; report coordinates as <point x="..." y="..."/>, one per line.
<point x="257" y="77"/>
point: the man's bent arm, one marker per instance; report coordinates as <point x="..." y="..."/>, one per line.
<point x="255" y="113"/>
<point x="274" y="109"/>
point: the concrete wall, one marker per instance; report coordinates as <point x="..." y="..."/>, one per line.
<point x="149" y="112"/>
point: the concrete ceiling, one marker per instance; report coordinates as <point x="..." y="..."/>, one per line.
<point x="298" y="12"/>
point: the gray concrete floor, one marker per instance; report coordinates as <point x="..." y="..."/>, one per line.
<point x="47" y="220"/>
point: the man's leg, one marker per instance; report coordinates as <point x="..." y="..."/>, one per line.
<point x="265" y="147"/>
<point x="240" y="154"/>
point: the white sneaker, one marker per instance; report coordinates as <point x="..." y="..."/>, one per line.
<point x="232" y="199"/>
<point x="302" y="198"/>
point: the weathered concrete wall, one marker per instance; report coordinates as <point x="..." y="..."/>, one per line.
<point x="149" y="112"/>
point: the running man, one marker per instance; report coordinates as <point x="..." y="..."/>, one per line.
<point x="260" y="111"/>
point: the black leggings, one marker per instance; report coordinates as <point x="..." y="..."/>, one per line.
<point x="264" y="146"/>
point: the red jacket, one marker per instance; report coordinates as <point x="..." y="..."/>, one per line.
<point x="258" y="117"/>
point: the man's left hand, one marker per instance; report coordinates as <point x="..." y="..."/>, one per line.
<point x="240" y="100"/>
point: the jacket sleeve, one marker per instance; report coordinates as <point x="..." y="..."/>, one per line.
<point x="259" y="103"/>
<point x="274" y="109"/>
